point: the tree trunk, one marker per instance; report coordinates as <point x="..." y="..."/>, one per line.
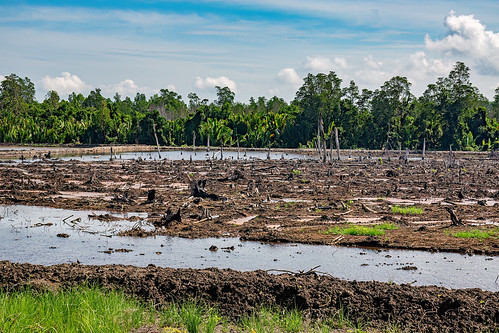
<point x="156" y="137"/>
<point x="194" y="142"/>
<point x="424" y="147"/>
<point x="337" y="142"/>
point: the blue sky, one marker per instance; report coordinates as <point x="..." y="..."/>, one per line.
<point x="256" y="48"/>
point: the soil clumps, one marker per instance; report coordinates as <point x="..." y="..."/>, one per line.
<point x="416" y="309"/>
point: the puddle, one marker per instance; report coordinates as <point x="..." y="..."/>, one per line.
<point x="30" y="234"/>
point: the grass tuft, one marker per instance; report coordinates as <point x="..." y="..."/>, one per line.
<point x="81" y="309"/>
<point x="407" y="210"/>
<point x="477" y="233"/>
<point x="360" y="230"/>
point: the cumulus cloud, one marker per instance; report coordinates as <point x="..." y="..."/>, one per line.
<point x="468" y="37"/>
<point x="124" y="88"/>
<point x="288" y="76"/>
<point x="318" y="64"/>
<point x="210" y="83"/>
<point x="65" y="84"/>
<point x="2" y="78"/>
<point x="372" y="63"/>
<point x="419" y="66"/>
<point x="323" y="64"/>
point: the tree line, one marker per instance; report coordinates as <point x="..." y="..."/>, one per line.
<point x="450" y="112"/>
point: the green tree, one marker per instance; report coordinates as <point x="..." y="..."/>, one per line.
<point x="495" y="105"/>
<point x="392" y="112"/>
<point x="319" y="99"/>
<point x="16" y="93"/>
<point x="225" y="97"/>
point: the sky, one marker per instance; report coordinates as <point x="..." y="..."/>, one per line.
<point x="256" y="48"/>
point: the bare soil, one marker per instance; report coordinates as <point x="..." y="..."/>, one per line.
<point x="279" y="200"/>
<point x="415" y="309"/>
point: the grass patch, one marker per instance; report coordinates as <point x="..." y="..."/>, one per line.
<point x="407" y="210"/>
<point x="82" y="309"/>
<point x="361" y="230"/>
<point x="477" y="233"/>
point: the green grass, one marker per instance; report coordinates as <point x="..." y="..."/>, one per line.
<point x="407" y="210"/>
<point x="477" y="233"/>
<point x="360" y="230"/>
<point x="90" y="309"/>
<point x="273" y="319"/>
<point x="82" y="309"/>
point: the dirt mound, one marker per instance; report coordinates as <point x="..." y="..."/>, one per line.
<point x="419" y="309"/>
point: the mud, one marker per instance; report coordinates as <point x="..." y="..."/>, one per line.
<point x="417" y="309"/>
<point x="279" y="200"/>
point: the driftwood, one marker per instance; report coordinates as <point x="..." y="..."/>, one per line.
<point x="455" y="221"/>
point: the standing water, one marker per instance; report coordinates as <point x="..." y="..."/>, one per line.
<point x="47" y="236"/>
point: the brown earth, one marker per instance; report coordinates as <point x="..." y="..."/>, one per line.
<point x="414" y="309"/>
<point x="279" y="200"/>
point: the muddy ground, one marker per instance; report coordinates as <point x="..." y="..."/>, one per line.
<point x="279" y="200"/>
<point x="416" y="309"/>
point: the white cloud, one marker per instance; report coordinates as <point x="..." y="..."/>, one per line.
<point x="209" y="83"/>
<point x="324" y="65"/>
<point x="419" y="66"/>
<point x="468" y="37"/>
<point x="318" y="64"/>
<point x="2" y="78"/>
<point x="288" y="76"/>
<point x="274" y="92"/>
<point x="65" y="84"/>
<point x="124" y="88"/>
<point x="171" y="87"/>
<point x="372" y="63"/>
<point x="341" y="62"/>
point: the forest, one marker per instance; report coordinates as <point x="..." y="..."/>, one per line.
<point x="450" y="113"/>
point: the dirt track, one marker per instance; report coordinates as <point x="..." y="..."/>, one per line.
<point x="417" y="309"/>
<point x="278" y="200"/>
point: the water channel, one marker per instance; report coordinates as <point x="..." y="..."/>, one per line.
<point x="33" y="235"/>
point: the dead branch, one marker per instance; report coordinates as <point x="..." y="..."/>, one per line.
<point x="454" y="219"/>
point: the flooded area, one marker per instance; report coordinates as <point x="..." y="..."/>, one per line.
<point x="47" y="236"/>
<point x="174" y="155"/>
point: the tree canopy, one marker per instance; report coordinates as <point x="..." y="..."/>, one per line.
<point x="450" y="112"/>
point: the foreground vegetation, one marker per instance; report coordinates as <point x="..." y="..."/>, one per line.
<point x="91" y="309"/>
<point x="450" y="112"/>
